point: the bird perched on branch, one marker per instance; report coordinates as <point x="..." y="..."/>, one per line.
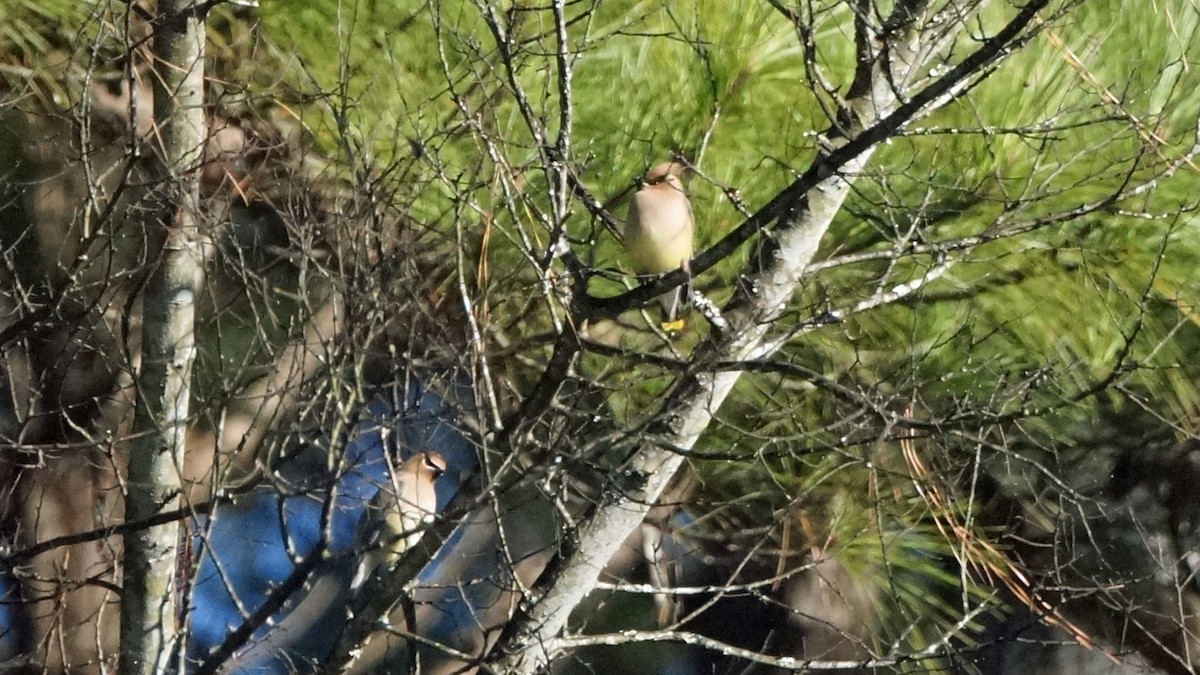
<point x="659" y="233"/>
<point x="393" y="520"/>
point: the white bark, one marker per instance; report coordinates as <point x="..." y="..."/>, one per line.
<point x="148" y="614"/>
<point x="912" y="40"/>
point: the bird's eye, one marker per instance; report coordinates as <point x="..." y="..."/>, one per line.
<point x="434" y="468"/>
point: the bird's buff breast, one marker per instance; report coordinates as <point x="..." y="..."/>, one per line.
<point x="652" y="246"/>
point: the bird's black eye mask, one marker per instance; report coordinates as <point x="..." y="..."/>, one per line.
<point x="436" y="470"/>
<point x="657" y="180"/>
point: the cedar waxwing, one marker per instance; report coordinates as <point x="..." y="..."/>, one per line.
<point x="659" y="231"/>
<point x="392" y="521"/>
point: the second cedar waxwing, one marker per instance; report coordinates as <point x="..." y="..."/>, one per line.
<point x="393" y="520"/>
<point x="659" y="231"/>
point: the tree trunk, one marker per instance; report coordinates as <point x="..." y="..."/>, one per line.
<point x="148" y="615"/>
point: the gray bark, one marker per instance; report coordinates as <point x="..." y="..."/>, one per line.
<point x="148" y="615"/>
<point x="891" y="58"/>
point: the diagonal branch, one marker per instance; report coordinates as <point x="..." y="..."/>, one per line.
<point x="877" y="126"/>
<point x="802" y="214"/>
